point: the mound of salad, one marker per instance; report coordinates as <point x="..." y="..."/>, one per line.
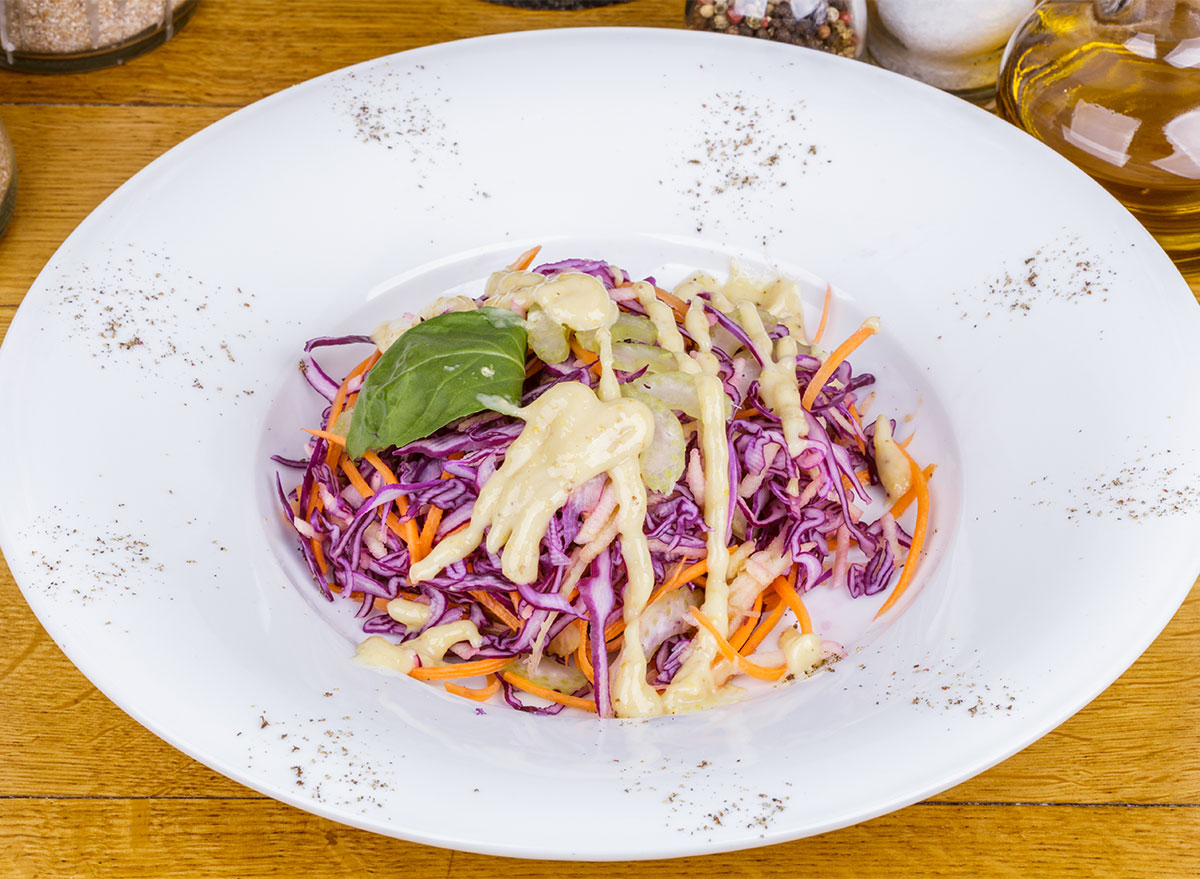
<point x="583" y="491"/>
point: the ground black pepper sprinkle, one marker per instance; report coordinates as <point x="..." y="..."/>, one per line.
<point x="1066" y="271"/>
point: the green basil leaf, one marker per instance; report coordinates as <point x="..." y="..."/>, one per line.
<point x="435" y="373"/>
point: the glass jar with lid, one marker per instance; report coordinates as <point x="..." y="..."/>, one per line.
<point x="43" y="36"/>
<point x="8" y="179"/>
<point x="836" y="26"/>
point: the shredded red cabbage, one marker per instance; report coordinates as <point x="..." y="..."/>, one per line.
<point x="801" y="501"/>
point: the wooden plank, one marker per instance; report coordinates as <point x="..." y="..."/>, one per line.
<point x="260" y="838"/>
<point x="232" y="53"/>
<point x="1126" y="747"/>
<point x="69" y="160"/>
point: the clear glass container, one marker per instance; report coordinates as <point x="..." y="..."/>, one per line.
<point x="47" y="36"/>
<point x="837" y="26"/>
<point x="1114" y="85"/>
<point x="954" y="45"/>
<point x="8" y="179"/>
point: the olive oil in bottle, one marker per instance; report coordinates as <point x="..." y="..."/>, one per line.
<point x="1114" y="85"/>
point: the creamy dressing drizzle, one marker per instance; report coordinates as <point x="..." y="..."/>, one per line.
<point x="569" y="437"/>
<point x="694" y="685"/>
<point x="427" y="649"/>
<point x="573" y="434"/>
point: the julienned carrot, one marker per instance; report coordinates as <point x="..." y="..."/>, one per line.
<point x="461" y="669"/>
<point x="498" y="610"/>
<point x="319" y="554"/>
<point x="425" y="539"/>
<point x="908" y="439"/>
<point x="475" y="695"/>
<point x="739" y="638"/>
<point x="581" y="653"/>
<point x="533" y="367"/>
<point x="824" y="315"/>
<point x="525" y="260"/>
<point x="768" y="626"/>
<point x="356" y="478"/>
<point x="679" y="578"/>
<point x="907" y="498"/>
<point x="862" y="447"/>
<point x="918" y="540"/>
<point x="334" y="438"/>
<point x="785" y="589"/>
<point x="593" y="360"/>
<point x="745" y="666"/>
<point x="339" y="401"/>
<point x="864" y="332"/>
<point x="552" y="695"/>
<point x="409" y="527"/>
<point x="677" y="305"/>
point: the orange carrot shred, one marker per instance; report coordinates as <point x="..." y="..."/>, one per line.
<point x="786" y="590"/>
<point x="768" y="626"/>
<point x="432" y="520"/>
<point x="525" y="260"/>
<point x="460" y="669"/>
<point x="408" y="529"/>
<point x="742" y="635"/>
<point x="745" y="666"/>
<point x="677" y="305"/>
<point x="552" y="695"/>
<point x="320" y="556"/>
<point x="864" y="332"/>
<point x="497" y="609"/>
<point x="908" y="439"/>
<point x="356" y="478"/>
<point x="824" y="315"/>
<point x="593" y="360"/>
<point x="475" y="695"/>
<point x="918" y="538"/>
<point x="340" y="400"/>
<point x="903" y="502"/>
<point x="326" y="435"/>
<point x="581" y="653"/>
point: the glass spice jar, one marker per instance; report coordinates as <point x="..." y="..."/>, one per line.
<point x="1114" y="85"/>
<point x="8" y="179"/>
<point x="954" y="45"/>
<point x="836" y="26"/>
<point x="47" y="36"/>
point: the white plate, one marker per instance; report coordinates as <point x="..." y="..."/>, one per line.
<point x="1043" y="340"/>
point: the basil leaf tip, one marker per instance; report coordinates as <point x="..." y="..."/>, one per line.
<point x="435" y="373"/>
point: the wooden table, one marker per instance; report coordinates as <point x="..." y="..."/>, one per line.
<point x="86" y="791"/>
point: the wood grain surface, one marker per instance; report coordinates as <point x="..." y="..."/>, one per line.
<point x="86" y="791"/>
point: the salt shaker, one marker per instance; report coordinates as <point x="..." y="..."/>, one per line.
<point x="47" y="36"/>
<point x="837" y="26"/>
<point x="8" y="179"/>
<point x="952" y="44"/>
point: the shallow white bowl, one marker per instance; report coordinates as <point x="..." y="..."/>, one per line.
<point x="1041" y="338"/>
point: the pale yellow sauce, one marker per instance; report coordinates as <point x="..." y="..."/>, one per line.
<point x="427" y="649"/>
<point x="573" y="434"/>
<point x="777" y="382"/>
<point x="570" y="436"/>
<point x="802" y="653"/>
<point x="890" y="460"/>
<point x="412" y="613"/>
